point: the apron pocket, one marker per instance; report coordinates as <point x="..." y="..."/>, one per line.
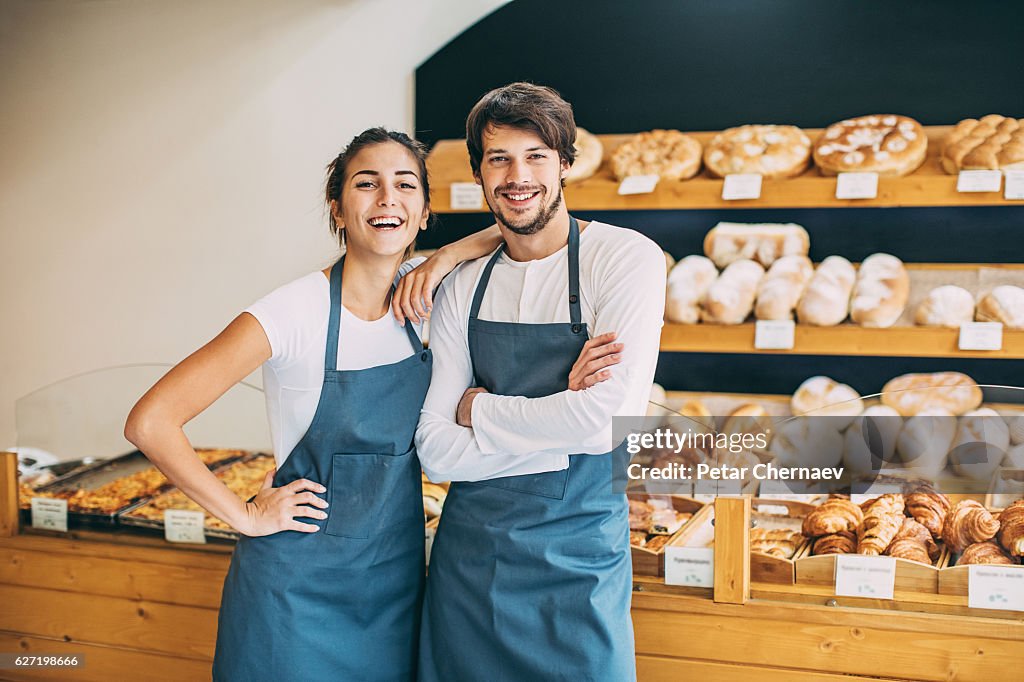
<point x="361" y="484"/>
<point x="547" y="484"/>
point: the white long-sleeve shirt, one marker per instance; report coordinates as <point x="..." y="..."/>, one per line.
<point x="622" y="289"/>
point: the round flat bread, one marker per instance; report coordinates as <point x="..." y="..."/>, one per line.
<point x="666" y="153"/>
<point x="773" y="151"/>
<point x="589" y="152"/>
<point x="993" y="143"/>
<point x="886" y="144"/>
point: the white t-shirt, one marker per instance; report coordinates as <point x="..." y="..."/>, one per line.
<point x="622" y="289"/>
<point x="295" y="318"/>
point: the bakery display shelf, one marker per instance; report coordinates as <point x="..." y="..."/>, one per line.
<point x="930" y="185"/>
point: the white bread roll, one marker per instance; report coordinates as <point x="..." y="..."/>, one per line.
<point x="670" y="262"/>
<point x="807" y="442"/>
<point x="945" y="306"/>
<point x="911" y="394"/>
<point x="826" y="300"/>
<point x="1003" y="304"/>
<point x="924" y="442"/>
<point x="881" y="291"/>
<point x="980" y="444"/>
<point x="781" y="289"/>
<point x="824" y="397"/>
<point x="731" y="298"/>
<point x="1014" y="457"/>
<point x="727" y="243"/>
<point x="688" y="284"/>
<point x="876" y="427"/>
<point x="1015" y="422"/>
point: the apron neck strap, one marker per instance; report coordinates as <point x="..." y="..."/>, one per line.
<point x="575" y="315"/>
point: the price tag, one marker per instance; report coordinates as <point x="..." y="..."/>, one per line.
<point x="979" y="181"/>
<point x="742" y="186"/>
<point x="639" y="184"/>
<point x="50" y="514"/>
<point x="184" y="526"/>
<point x="690" y="566"/>
<point x="429" y="541"/>
<point x="775" y="509"/>
<point x="1014" y="188"/>
<point x="774" y="334"/>
<point x="873" y="577"/>
<point x="995" y="587"/>
<point x="466" y="196"/>
<point x="857" y="186"/>
<point x="981" y="336"/>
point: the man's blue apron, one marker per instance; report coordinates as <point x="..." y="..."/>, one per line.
<point x="343" y="603"/>
<point x="530" y="576"/>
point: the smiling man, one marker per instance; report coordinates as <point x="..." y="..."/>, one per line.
<point x="530" y="574"/>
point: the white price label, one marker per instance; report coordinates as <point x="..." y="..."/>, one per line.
<point x="50" y="514"/>
<point x="690" y="566"/>
<point x="995" y="587"/>
<point x="1014" y="184"/>
<point x="981" y="336"/>
<point x="857" y="186"/>
<point x="773" y="509"/>
<point x="979" y="181"/>
<point x="184" y="526"/>
<point x="774" y="334"/>
<point x="466" y="196"/>
<point x="639" y="184"/>
<point x="872" y="577"/>
<point x="742" y="186"/>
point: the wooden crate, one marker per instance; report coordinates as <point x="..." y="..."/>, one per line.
<point x="785" y="514"/>
<point x="911" y="576"/>
<point x="652" y="562"/>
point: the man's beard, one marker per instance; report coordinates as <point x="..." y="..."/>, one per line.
<point x="544" y="216"/>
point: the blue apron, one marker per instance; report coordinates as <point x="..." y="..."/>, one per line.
<point x="343" y="603"/>
<point x="530" y="576"/>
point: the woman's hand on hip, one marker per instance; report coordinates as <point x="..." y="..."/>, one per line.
<point x="277" y="509"/>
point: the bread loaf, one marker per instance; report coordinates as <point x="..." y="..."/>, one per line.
<point x="781" y="288"/>
<point x="1003" y="304"/>
<point x="808" y="442"/>
<point x="994" y="142"/>
<point x="765" y="243"/>
<point x="688" y="284"/>
<point x="953" y="392"/>
<point x="824" y="397"/>
<point x="886" y="144"/>
<point x="981" y="442"/>
<point x="667" y="153"/>
<point x="881" y="291"/>
<point x="589" y="152"/>
<point x="945" y="306"/>
<point x="826" y="299"/>
<point x="925" y="440"/>
<point x="871" y="439"/>
<point x="774" y="151"/>
<point x="1015" y="422"/>
<point x="731" y="298"/>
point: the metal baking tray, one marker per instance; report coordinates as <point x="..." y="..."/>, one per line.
<point x="125" y="517"/>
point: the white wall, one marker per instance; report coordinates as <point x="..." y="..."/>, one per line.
<point x="162" y="162"/>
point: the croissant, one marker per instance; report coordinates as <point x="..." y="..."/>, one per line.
<point x="890" y="503"/>
<point x="913" y="541"/>
<point x="833" y="516"/>
<point x="967" y="523"/>
<point x="908" y="548"/>
<point x="843" y="542"/>
<point x="878" y="530"/>
<point x="928" y="508"/>
<point x="985" y="553"/>
<point x="1011" y="528"/>
<point x="777" y="543"/>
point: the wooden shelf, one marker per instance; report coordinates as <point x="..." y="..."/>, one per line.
<point x="928" y="186"/>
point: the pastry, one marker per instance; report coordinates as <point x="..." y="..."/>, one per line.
<point x="774" y="542"/>
<point x="639" y="515"/>
<point x="656" y="542"/>
<point x="666" y="153"/>
<point x="731" y="298"/>
<point x="966" y="523"/>
<point x="749" y="418"/>
<point x="951" y="391"/>
<point x="843" y="542"/>
<point x="824" y="397"/>
<point x="688" y="284"/>
<point x="780" y="290"/>
<point x="774" y="151"/>
<point x="993" y="143"/>
<point x="985" y="553"/>
<point x="929" y="508"/>
<point x="726" y="243"/>
<point x="1011" y="528"/>
<point x="1015" y="422"/>
<point x="881" y="291"/>
<point x="885" y="144"/>
<point x="1003" y="304"/>
<point x="589" y="152"/>
<point x="826" y="301"/>
<point x="433" y="499"/>
<point x="981" y="441"/>
<point x="945" y="306"/>
<point x="637" y="538"/>
<point x="883" y="519"/>
<point x="834" y="515"/>
<point x="914" y="542"/>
